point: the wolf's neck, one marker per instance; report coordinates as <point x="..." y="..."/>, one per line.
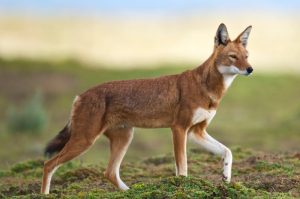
<point x="214" y="82"/>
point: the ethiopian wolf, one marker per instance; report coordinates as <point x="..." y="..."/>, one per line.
<point x="185" y="102"/>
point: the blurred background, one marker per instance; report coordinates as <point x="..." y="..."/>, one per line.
<point x="50" y="51"/>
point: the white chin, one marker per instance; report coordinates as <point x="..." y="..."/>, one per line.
<point x="231" y="70"/>
<point x="244" y="72"/>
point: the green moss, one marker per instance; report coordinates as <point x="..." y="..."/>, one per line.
<point x="239" y="153"/>
<point x="261" y="176"/>
<point x="275" y="167"/>
<point x="27" y="165"/>
<point x="28" y="169"/>
<point x="4" y="173"/>
<point x="188" y="187"/>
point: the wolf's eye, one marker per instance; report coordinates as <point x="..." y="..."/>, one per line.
<point x="233" y="56"/>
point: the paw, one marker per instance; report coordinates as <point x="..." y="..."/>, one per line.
<point x="225" y="178"/>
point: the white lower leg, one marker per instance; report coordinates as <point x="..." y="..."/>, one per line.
<point x="212" y="145"/>
<point x="121" y="184"/>
<point x="113" y="170"/>
<point x="181" y="169"/>
<point x="48" y="180"/>
<point x="227" y="165"/>
<point x="119" y="146"/>
<point x="114" y="176"/>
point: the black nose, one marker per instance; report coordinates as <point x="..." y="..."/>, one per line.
<point x="249" y="70"/>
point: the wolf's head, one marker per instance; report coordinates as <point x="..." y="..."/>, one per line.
<point x="231" y="56"/>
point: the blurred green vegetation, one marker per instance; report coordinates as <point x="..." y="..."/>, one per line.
<point x="261" y="111"/>
<point x="30" y="118"/>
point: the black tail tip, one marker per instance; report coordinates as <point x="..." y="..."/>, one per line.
<point x="58" y="142"/>
<point x="49" y="152"/>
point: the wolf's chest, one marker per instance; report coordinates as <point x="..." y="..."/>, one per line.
<point x="201" y="114"/>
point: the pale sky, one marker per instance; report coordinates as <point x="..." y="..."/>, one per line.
<point x="119" y="7"/>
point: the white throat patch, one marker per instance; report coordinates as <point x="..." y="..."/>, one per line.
<point x="229" y="73"/>
<point x="228" y="79"/>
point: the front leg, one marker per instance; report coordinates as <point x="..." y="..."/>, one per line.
<point x="202" y="138"/>
<point x="179" y="142"/>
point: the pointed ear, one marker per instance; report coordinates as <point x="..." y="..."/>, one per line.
<point x="243" y="37"/>
<point x="222" y="36"/>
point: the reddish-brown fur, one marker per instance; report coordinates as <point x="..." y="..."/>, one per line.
<point x="114" y="108"/>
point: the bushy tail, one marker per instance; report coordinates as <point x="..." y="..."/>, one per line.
<point x="58" y="142"/>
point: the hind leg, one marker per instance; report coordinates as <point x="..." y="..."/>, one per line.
<point x="119" y="142"/>
<point x="75" y="147"/>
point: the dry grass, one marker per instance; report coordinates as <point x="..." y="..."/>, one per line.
<point x="131" y="41"/>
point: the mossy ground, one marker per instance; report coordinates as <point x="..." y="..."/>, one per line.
<point x="255" y="175"/>
<point x="272" y="99"/>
